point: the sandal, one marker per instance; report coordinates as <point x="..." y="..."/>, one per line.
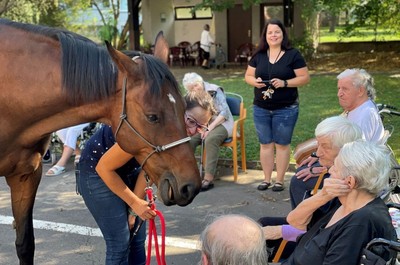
<point x="206" y="185"/>
<point x="55" y="171"/>
<point x="278" y="187"/>
<point x="264" y="185"/>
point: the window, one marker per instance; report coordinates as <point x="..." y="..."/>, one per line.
<point x="182" y="13"/>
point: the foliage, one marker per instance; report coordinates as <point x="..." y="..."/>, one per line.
<point x="46" y="12"/>
<point x="109" y="17"/>
<point x="374" y="14"/>
<point x="221" y="5"/>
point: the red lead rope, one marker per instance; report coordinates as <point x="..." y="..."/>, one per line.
<point x="153" y="233"/>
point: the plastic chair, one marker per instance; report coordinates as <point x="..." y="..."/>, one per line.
<point x="239" y="112"/>
<point x="244" y="53"/>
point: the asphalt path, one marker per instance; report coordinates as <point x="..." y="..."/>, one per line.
<point x="66" y="233"/>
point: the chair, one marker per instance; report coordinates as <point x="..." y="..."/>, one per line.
<point x="239" y="112"/>
<point x="185" y="51"/>
<point x="176" y="55"/>
<point x="194" y="55"/>
<point x="244" y="53"/>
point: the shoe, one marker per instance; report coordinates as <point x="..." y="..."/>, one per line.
<point x="55" y="171"/>
<point x="47" y="157"/>
<point x="278" y="187"/>
<point x="264" y="185"/>
<point x="206" y="185"/>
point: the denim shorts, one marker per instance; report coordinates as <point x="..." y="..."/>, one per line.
<point x="275" y="126"/>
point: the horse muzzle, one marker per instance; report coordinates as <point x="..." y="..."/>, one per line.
<point x="171" y="192"/>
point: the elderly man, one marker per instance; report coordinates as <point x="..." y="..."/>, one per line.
<point x="356" y="94"/>
<point x="332" y="133"/>
<point x="233" y="239"/>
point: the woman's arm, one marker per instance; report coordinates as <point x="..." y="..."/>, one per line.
<point x="251" y="79"/>
<point x="113" y="159"/>
<point x="302" y="78"/>
<point x="301" y="215"/>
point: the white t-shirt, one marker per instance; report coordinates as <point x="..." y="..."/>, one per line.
<point x="206" y="40"/>
<point x="367" y="117"/>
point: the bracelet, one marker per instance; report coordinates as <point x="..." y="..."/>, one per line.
<point x="311" y="170"/>
<point x="132" y="212"/>
<point x="285" y="83"/>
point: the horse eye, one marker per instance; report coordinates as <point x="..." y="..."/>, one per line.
<point x="152" y="118"/>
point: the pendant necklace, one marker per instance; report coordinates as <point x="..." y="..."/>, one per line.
<point x="268" y="93"/>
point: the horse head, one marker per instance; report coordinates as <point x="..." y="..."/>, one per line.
<point x="152" y="123"/>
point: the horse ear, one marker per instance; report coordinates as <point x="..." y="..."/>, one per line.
<point x="117" y="56"/>
<point x="161" y="48"/>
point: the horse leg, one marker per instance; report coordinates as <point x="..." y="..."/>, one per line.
<point x="23" y="192"/>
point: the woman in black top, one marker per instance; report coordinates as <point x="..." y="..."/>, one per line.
<point x="275" y="70"/>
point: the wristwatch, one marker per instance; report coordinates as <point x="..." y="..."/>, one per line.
<point x="285" y="83"/>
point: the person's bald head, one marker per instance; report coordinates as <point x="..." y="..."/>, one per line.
<point x="233" y="239"/>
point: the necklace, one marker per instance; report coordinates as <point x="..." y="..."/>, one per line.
<point x="270" y="89"/>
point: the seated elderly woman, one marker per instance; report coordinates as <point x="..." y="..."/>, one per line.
<point x="360" y="172"/>
<point x="331" y="133"/>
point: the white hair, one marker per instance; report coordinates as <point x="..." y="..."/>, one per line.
<point x="369" y="163"/>
<point x="360" y="78"/>
<point x="235" y="240"/>
<point x="339" y="130"/>
<point x="191" y="79"/>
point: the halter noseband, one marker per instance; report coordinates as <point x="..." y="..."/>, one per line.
<point x="156" y="149"/>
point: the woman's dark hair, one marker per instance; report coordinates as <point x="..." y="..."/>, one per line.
<point x="263" y="45"/>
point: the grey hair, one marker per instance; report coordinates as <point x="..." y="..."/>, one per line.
<point x="241" y="241"/>
<point x="339" y="130"/>
<point x="360" y="78"/>
<point x="190" y="79"/>
<point x="369" y="163"/>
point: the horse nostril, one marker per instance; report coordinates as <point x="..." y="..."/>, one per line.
<point x="188" y="192"/>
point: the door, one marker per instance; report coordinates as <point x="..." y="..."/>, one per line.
<point x="239" y="29"/>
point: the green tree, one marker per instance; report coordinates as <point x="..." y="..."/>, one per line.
<point x="374" y="14"/>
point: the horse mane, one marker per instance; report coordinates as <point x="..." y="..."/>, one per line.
<point x="88" y="72"/>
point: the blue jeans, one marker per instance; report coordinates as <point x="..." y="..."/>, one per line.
<point x="275" y="125"/>
<point x="111" y="215"/>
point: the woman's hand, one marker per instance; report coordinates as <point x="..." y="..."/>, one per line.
<point x="310" y="172"/>
<point x="335" y="187"/>
<point x="259" y="83"/>
<point x="277" y="83"/>
<point x="143" y="210"/>
<point x="272" y="232"/>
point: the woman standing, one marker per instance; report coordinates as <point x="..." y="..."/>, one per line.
<point x="275" y="70"/>
<point x="112" y="185"/>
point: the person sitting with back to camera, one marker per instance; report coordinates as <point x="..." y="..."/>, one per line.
<point x="113" y="186"/>
<point x="331" y="134"/>
<point x="358" y="215"/>
<point x="219" y="129"/>
<point x="356" y="94"/>
<point x="69" y="137"/>
<point x="233" y="239"/>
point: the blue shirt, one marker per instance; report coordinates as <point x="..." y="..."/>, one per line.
<point x="96" y="147"/>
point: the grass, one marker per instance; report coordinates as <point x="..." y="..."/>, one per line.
<point x="318" y="101"/>
<point x="365" y="34"/>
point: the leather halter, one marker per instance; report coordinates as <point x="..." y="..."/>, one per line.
<point x="123" y="119"/>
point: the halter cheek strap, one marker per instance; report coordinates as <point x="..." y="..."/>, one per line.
<point x="123" y="119"/>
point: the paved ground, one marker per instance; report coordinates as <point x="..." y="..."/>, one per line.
<point x="67" y="234"/>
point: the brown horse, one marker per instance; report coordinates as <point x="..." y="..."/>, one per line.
<point x="51" y="79"/>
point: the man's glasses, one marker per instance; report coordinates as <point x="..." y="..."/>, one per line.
<point x="192" y="123"/>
